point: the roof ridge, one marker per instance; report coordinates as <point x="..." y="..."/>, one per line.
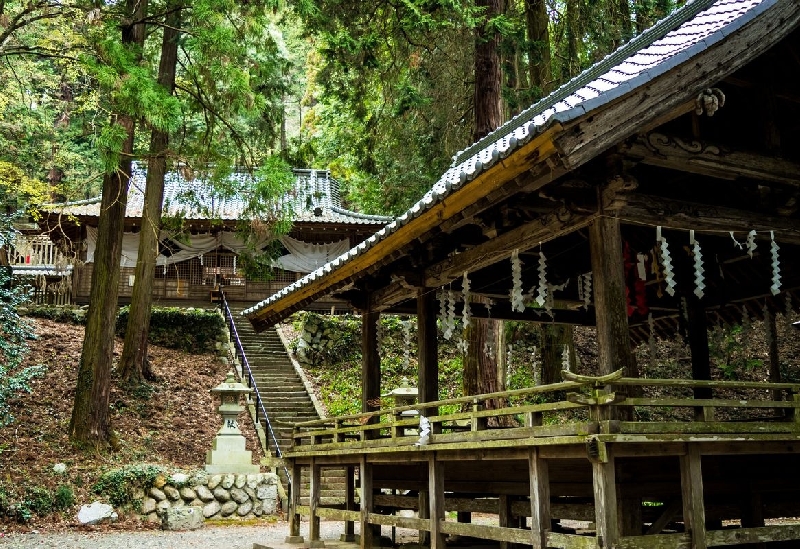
<point x="641" y="41"/>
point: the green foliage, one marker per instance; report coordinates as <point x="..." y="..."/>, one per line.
<point x="190" y="330"/>
<point x="63" y="498"/>
<point x="728" y="350"/>
<point x="119" y="485"/>
<point x="23" y="502"/>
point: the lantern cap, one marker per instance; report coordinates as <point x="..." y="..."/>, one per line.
<point x="230" y="385"/>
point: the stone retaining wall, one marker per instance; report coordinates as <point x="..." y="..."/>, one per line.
<point x="219" y="496"/>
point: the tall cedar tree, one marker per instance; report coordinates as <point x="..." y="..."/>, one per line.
<point x="134" y="366"/>
<point x="90" y="423"/>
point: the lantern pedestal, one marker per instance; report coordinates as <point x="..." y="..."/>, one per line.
<point x="228" y="454"/>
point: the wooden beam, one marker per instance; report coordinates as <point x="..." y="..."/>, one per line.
<point x="428" y="349"/>
<point x="540" y="499"/>
<point x="703" y="158"/>
<point x="694" y="512"/>
<point x="701" y="358"/>
<point x="502" y="311"/>
<point x="546" y="228"/>
<point x="313" y="503"/>
<point x="679" y="214"/>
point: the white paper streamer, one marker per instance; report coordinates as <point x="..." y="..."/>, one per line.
<point x="751" y="243"/>
<point x="776" y="266"/>
<point x="541" y="297"/>
<point x="517" y="299"/>
<point x="666" y="262"/>
<point x="565" y="364"/>
<point x="699" y="271"/>
<point x="736" y="243"/>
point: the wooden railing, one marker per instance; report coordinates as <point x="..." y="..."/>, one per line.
<point x="580" y="405"/>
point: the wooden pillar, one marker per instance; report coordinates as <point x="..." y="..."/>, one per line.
<point x="694" y="511"/>
<point x="504" y="516"/>
<point x="349" y="503"/>
<point x="313" y="503"/>
<point x="605" y="501"/>
<point x="424" y="506"/>
<point x="365" y="474"/>
<point x="428" y="383"/>
<point x="538" y="472"/>
<point x="698" y="344"/>
<point x="370" y="366"/>
<point x="608" y="275"/>
<point x="294" y="501"/>
<point x="436" y="501"/>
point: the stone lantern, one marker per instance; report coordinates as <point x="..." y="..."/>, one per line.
<point x="228" y="454"/>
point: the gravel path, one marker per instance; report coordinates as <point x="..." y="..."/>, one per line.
<point x="209" y="537"/>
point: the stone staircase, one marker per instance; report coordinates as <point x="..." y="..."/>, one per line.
<point x="285" y="400"/>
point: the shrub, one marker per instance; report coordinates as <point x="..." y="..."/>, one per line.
<point x="64" y="498"/>
<point x="189" y="330"/>
<point x="118" y="485"/>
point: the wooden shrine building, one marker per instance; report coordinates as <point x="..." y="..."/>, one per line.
<point x="655" y="193"/>
<point x="206" y="255"/>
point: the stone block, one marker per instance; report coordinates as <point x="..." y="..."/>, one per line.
<point x="238" y="495"/>
<point x="182" y="518"/>
<point x="250" y="492"/>
<point x="172" y="493"/>
<point x="240" y="481"/>
<point x="221" y="494"/>
<point x="96" y="512"/>
<point x="267" y="491"/>
<point x="148" y="506"/>
<point x="228" y="509"/>
<point x="228" y="480"/>
<point x="162" y="506"/>
<point x="196" y="503"/>
<point x="187" y="493"/>
<point x="211" y="509"/>
<point x="269" y="506"/>
<point x="254" y="480"/>
<point x="179" y="479"/>
<point x="214" y="481"/>
<point x="157" y="494"/>
<point x="244" y="508"/>
<point x="204" y="493"/>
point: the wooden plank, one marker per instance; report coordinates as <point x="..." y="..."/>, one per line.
<point x="399" y="522"/>
<point x="660" y="541"/>
<point x="694" y="513"/>
<point x="481" y="531"/>
<point x="605" y="501"/>
<point x="428" y="350"/>
<point x="538" y="473"/>
<point x="626" y="427"/>
<point x="436" y="501"/>
<point x="365" y="497"/>
<point x="765" y="534"/>
<point x="712" y="402"/>
<point x="690" y="383"/>
<point x="337" y="514"/>
<point x="670" y="511"/>
<point x="570" y="541"/>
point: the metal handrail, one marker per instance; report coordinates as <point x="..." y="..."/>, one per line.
<point x="251" y="381"/>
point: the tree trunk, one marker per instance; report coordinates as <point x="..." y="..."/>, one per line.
<point x="539" y="59"/>
<point x="573" y="64"/>
<point x="90" y="419"/>
<point x="488" y="78"/>
<point x="134" y="366"/>
<point x="553" y="339"/>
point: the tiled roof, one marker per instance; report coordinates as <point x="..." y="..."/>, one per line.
<point x="672" y="41"/>
<point x="315" y="199"/>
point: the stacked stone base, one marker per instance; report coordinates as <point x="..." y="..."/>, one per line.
<point x="219" y="496"/>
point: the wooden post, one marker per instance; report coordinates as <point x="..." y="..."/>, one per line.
<point x="349" y="503"/>
<point x="698" y="343"/>
<point x="428" y="354"/>
<point x="370" y="366"/>
<point x="313" y="503"/>
<point x="424" y="513"/>
<point x="694" y="512"/>
<point x="294" y="517"/>
<point x="605" y="501"/>
<point x="538" y="472"/>
<point x="436" y="500"/>
<point x="504" y="516"/>
<point x="365" y="470"/>
<point x="613" y="339"/>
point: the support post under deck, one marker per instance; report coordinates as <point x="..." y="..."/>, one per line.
<point x="694" y="512"/>
<point x="428" y="382"/>
<point x="436" y="501"/>
<point x="605" y="501"/>
<point x="370" y="366"/>
<point x="313" y="502"/>
<point x="349" y="503"/>
<point x="294" y="517"/>
<point x="365" y="475"/>
<point x="540" y="499"/>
